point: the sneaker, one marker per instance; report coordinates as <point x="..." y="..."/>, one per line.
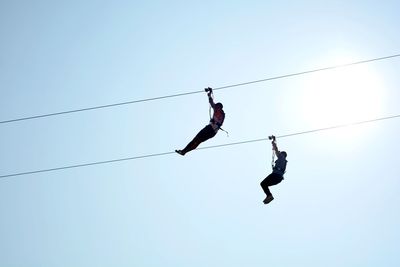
<point x="180" y="152"/>
<point x="268" y="199"/>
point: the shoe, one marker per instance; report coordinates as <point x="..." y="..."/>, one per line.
<point x="180" y="152"/>
<point x="268" y="199"/>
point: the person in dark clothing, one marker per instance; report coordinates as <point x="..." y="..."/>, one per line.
<point x="277" y="173"/>
<point x="211" y="129"/>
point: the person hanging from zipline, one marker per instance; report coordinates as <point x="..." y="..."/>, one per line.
<point x="278" y="170"/>
<point x="211" y="129"/>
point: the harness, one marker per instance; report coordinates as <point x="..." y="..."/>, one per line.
<point x="216" y="123"/>
<point x="279" y="170"/>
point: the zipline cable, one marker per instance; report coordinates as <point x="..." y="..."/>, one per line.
<point x="207" y="147"/>
<point x="194" y="92"/>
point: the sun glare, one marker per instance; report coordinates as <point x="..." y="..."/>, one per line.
<point x="342" y="96"/>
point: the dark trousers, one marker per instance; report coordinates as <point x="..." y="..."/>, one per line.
<point x="270" y="180"/>
<point x="205" y="134"/>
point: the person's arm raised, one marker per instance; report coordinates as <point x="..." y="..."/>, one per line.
<point x="210" y="99"/>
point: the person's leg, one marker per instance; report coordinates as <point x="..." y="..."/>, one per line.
<point x="192" y="145"/>
<point x="270" y="180"/>
<point x="205" y="134"/>
<point x="264" y="185"/>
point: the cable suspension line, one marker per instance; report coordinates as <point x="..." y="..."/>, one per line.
<point x="194" y="92"/>
<point x="207" y="147"/>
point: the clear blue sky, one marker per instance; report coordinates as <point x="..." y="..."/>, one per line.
<point x="338" y="204"/>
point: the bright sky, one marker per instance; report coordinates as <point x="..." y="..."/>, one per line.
<point x="338" y="204"/>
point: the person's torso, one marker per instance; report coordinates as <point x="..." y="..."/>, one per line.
<point x="217" y="119"/>
<point x="280" y="166"/>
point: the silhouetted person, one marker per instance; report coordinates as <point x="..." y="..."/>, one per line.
<point x="211" y="129"/>
<point x="277" y="174"/>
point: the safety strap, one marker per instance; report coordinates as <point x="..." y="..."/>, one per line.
<point x="227" y="133"/>
<point x="273" y="159"/>
<point x="209" y="110"/>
